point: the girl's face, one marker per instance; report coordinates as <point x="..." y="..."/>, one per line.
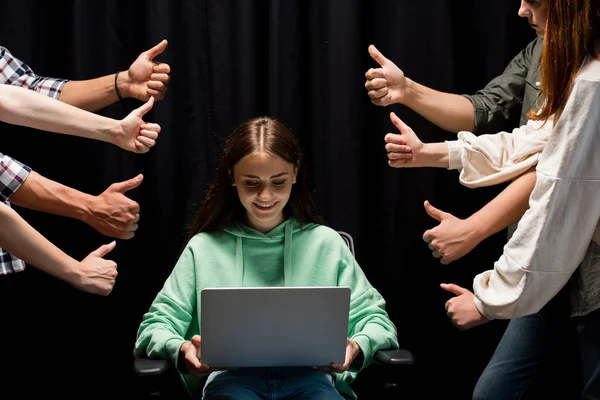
<point x="536" y="12"/>
<point x="264" y="184"/>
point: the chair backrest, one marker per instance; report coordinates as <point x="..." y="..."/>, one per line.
<point x="348" y="239"/>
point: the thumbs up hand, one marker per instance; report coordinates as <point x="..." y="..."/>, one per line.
<point x="96" y="275"/>
<point x="146" y="78"/>
<point x="461" y="309"/>
<point x="452" y="238"/>
<point x="112" y="213"/>
<point x="134" y="134"/>
<point x="387" y="84"/>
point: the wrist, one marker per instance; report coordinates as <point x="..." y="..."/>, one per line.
<point x="434" y="155"/>
<point x="71" y="272"/>
<point x="476" y="229"/>
<point x="410" y="93"/>
<point x="86" y="207"/>
<point x="123" y="84"/>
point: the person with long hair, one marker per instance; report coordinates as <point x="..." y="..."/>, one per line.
<point x="258" y="226"/>
<point x="558" y="239"/>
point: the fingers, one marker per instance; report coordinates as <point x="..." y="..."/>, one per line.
<point x="161" y="68"/>
<point x="141" y="148"/>
<point x="156" y="50"/>
<point x="395" y="138"/>
<point x="379" y="93"/>
<point x="375" y="73"/>
<point x="157" y="85"/>
<point x="149" y="134"/>
<point x="104" y="249"/>
<point x="399" y="156"/>
<point x="376" y="83"/>
<point x="397" y="148"/>
<point x="146" y="141"/>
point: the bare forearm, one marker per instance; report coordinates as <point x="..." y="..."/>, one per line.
<point x="20" y="239"/>
<point x="42" y="194"/>
<point x="506" y="208"/>
<point x="19" y="106"/>
<point x="450" y="112"/>
<point x="435" y="155"/>
<point x="93" y="94"/>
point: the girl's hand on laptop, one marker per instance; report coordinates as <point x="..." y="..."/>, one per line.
<point x="353" y="351"/>
<point x="189" y="352"/>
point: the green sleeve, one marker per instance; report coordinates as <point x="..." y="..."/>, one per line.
<point x="369" y="324"/>
<point x="164" y="326"/>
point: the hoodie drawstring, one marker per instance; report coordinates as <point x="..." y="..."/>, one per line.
<point x="239" y="261"/>
<point x="287" y="256"/>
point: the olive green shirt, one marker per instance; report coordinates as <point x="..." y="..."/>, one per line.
<point x="504" y="103"/>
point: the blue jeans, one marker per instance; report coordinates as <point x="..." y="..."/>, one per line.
<point x="588" y="339"/>
<point x="529" y="348"/>
<point x="270" y="383"/>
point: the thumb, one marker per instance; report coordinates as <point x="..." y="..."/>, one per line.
<point x="104" y="249"/>
<point x="433" y="212"/>
<point x="399" y="124"/>
<point x="129" y="184"/>
<point x="377" y="56"/>
<point x="156" y="50"/>
<point x="452" y="288"/>
<point x="196" y="340"/>
<point x="144" y="108"/>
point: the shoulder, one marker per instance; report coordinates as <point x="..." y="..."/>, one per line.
<point x="324" y="236"/>
<point x="206" y="239"/>
<point x="590" y="71"/>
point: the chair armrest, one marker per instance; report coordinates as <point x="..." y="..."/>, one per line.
<point x="148" y="367"/>
<point x="394" y="357"/>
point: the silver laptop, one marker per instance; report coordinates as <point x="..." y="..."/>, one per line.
<point x="275" y="326"/>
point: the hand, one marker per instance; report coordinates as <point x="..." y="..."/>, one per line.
<point x="97" y="275"/>
<point x="114" y="214"/>
<point x="352" y="352"/>
<point x="405" y="149"/>
<point x="452" y="238"/>
<point x="461" y="309"/>
<point x="386" y="85"/>
<point x="189" y="353"/>
<point x="133" y="134"/>
<point x="147" y="78"/>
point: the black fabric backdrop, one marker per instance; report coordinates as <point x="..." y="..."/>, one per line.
<point x="301" y="61"/>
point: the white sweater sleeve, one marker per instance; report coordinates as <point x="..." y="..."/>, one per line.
<point x="564" y="210"/>
<point x="491" y="159"/>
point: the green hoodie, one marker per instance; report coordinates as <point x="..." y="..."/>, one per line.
<point x="312" y="255"/>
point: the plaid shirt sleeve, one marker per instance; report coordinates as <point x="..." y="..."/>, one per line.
<point x="12" y="176"/>
<point x="15" y="72"/>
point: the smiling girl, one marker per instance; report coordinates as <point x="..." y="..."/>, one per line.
<point x="258" y="226"/>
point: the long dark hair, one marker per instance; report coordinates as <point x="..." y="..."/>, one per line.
<point x="572" y="28"/>
<point x="263" y="134"/>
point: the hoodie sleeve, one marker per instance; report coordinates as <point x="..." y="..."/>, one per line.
<point x="369" y="324"/>
<point x="163" y="327"/>
<point x="555" y="232"/>
<point x="492" y="159"/>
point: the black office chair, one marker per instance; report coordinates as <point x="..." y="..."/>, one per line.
<point x="158" y="379"/>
